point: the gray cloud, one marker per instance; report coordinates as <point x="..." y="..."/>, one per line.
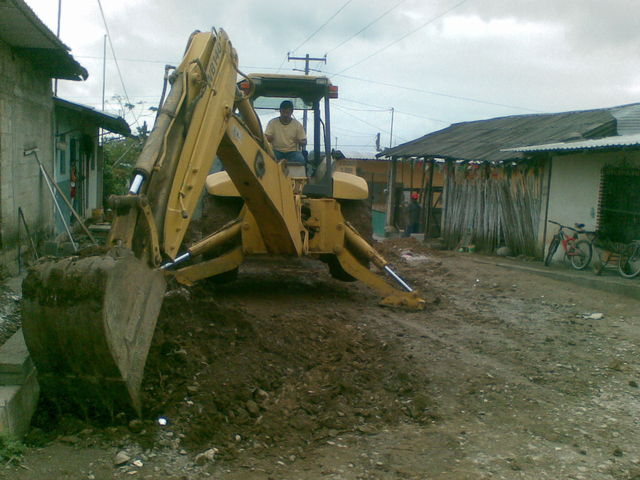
<point x="483" y="59"/>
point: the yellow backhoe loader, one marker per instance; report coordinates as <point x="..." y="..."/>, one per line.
<point x="88" y="321"/>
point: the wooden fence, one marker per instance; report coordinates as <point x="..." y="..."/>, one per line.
<point x="490" y="206"/>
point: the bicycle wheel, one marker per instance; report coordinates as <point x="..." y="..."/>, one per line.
<point x="629" y="262"/>
<point x="553" y="246"/>
<point x="580" y="254"/>
<point x="600" y="262"/>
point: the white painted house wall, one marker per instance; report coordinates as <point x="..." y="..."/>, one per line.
<point x="574" y="189"/>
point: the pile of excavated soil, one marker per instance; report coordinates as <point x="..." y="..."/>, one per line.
<point x="281" y="360"/>
<point x="297" y="367"/>
<point x="9" y="312"/>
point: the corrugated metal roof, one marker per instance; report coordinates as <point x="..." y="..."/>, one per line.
<point x="608" y="142"/>
<point x="358" y="155"/>
<point x="25" y="32"/>
<point x="628" y="119"/>
<point x="113" y="123"/>
<point x="494" y="140"/>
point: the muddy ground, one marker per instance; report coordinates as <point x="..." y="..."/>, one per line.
<point x="289" y="374"/>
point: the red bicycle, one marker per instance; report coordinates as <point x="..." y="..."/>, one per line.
<point x="579" y="252"/>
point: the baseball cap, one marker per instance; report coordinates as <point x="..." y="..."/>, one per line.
<point x="415" y="196"/>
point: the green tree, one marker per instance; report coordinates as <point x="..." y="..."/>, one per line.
<point x="120" y="156"/>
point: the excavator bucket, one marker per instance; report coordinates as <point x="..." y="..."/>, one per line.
<point x="88" y="323"/>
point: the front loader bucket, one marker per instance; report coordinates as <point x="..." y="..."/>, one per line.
<point x="88" y="324"/>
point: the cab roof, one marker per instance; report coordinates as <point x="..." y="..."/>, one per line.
<point x="309" y="88"/>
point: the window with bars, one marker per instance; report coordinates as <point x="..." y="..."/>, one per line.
<point x="619" y="206"/>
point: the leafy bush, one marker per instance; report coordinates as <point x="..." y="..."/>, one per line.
<point x="11" y="449"/>
<point x="120" y="155"/>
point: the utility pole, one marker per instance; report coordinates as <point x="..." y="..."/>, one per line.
<point x="104" y="80"/>
<point x="104" y="68"/>
<point x="306" y="59"/>
<point x="391" y="134"/>
<point x="55" y="82"/>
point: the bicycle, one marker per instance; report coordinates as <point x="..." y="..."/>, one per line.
<point x="629" y="260"/>
<point x="605" y="252"/>
<point x="578" y="251"/>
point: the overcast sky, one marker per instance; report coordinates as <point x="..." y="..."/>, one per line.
<point x="435" y="62"/>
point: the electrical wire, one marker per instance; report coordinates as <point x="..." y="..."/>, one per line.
<point x="283" y="60"/>
<point x="323" y="25"/>
<point x="367" y="26"/>
<point x="383" y="109"/>
<point x="358" y="118"/>
<point x="431" y="92"/>
<point x="406" y="35"/>
<point x="160" y="62"/>
<point x="370" y="124"/>
<point x="362" y="146"/>
<point x="366" y="109"/>
<point x="134" y="60"/>
<point x="115" y="59"/>
<point x="351" y="133"/>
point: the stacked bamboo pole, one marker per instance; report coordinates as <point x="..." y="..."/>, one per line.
<point x="492" y="206"/>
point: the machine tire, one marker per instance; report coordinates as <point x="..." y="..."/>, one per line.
<point x="336" y="270"/>
<point x="358" y="214"/>
<point x="225" y="277"/>
<point x="216" y="213"/>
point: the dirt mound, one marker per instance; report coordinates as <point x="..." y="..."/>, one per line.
<point x="283" y="376"/>
<point x="9" y="312"/>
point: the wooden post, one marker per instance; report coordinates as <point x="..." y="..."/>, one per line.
<point x="427" y="230"/>
<point x="390" y="221"/>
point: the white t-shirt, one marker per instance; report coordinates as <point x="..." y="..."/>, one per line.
<point x="285" y="137"/>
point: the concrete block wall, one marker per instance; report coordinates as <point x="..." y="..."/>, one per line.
<point x="26" y="120"/>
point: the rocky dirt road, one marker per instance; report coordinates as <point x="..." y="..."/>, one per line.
<point x="288" y="374"/>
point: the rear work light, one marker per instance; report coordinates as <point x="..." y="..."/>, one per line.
<point x="245" y="86"/>
<point x="333" y="91"/>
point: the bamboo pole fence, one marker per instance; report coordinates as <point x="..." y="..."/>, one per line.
<point x="490" y="206"/>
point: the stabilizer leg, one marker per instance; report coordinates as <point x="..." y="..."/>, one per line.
<point x="216" y="266"/>
<point x="392" y="296"/>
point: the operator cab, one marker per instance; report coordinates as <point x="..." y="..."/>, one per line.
<point x="307" y="93"/>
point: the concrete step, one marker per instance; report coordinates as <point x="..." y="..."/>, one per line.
<point x="15" y="362"/>
<point x="17" y="405"/>
<point x="19" y="388"/>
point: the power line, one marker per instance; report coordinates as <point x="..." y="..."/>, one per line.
<point x="431" y="92"/>
<point x="364" y="121"/>
<point x="323" y="25"/>
<point x="283" y="60"/>
<point x="367" y="109"/>
<point x="367" y="26"/>
<point x="134" y="60"/>
<point x="358" y="118"/>
<point x="161" y="62"/>
<point x="113" y="52"/>
<point x="405" y="35"/>
<point x="351" y="133"/>
<point x="383" y="109"/>
<point x="365" y="145"/>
